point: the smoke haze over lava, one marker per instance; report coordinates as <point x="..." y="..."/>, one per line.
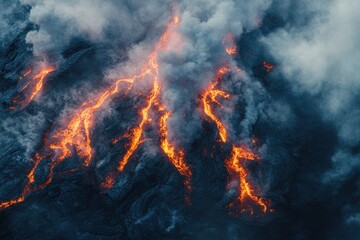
<point x="161" y="119"/>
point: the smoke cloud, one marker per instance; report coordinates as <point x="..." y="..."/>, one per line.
<point x="300" y="116"/>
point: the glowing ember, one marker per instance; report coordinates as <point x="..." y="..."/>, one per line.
<point x="210" y="96"/>
<point x="229" y="44"/>
<point x="176" y="156"/>
<point x="246" y="198"/>
<point x="30" y="89"/>
<point x="268" y="66"/>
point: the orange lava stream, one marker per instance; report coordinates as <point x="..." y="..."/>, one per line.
<point x="210" y="96"/>
<point x="136" y="133"/>
<point x="176" y="156"/>
<point x="153" y="69"/>
<point x="75" y="136"/>
<point x="246" y="198"/>
<point x="229" y="44"/>
<point x="34" y="85"/>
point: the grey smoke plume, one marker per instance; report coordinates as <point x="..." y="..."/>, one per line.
<point x="304" y="112"/>
<point x="322" y="59"/>
<point x="108" y="22"/>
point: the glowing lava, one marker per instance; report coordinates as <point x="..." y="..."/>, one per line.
<point x="267" y="66"/>
<point x="210" y="96"/>
<point x="246" y="198"/>
<point x="30" y="89"/>
<point x="135" y="134"/>
<point x="75" y="136"/>
<point x="229" y="44"/>
<point x="176" y="156"/>
<point x="152" y="68"/>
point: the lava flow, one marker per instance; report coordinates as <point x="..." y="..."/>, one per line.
<point x="176" y="156"/>
<point x="75" y="136"/>
<point x="136" y="133"/>
<point x="246" y="198"/>
<point x="29" y="90"/>
<point x="210" y="96"/>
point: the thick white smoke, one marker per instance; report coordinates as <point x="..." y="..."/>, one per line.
<point x="93" y="20"/>
<point x="322" y="59"/>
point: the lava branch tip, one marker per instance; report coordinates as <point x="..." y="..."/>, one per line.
<point x="137" y="132"/>
<point x="176" y="156"/>
<point x="32" y="87"/>
<point x="246" y="198"/>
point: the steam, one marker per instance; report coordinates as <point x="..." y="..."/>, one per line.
<point x="96" y="21"/>
<point x="316" y="56"/>
<point x="204" y="24"/>
<point x="321" y="59"/>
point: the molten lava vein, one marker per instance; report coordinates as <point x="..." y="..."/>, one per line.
<point x="176" y="156"/>
<point x="210" y="96"/>
<point x="75" y="136"/>
<point x="30" y="89"/>
<point x="246" y="197"/>
<point x="136" y="133"/>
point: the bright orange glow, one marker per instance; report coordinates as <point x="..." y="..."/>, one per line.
<point x="152" y="68"/>
<point x="176" y="20"/>
<point x="268" y="66"/>
<point x="210" y="96"/>
<point x="229" y="44"/>
<point x="137" y="132"/>
<point x="246" y="198"/>
<point x="32" y="87"/>
<point x="75" y="135"/>
<point x="176" y="156"/>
